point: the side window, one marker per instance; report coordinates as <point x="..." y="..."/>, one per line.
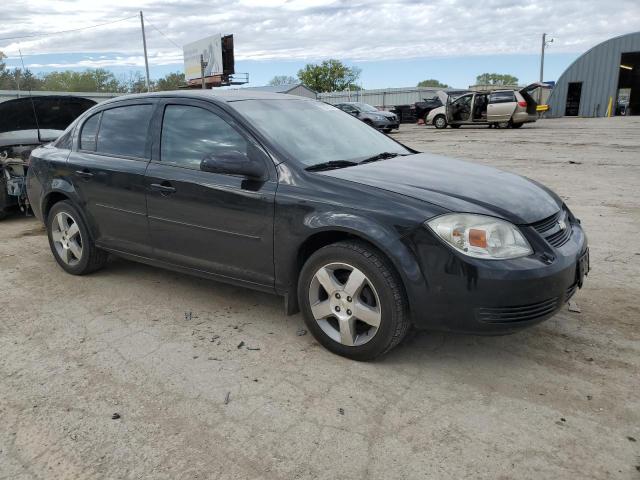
<point x="502" y="97"/>
<point x="89" y="132"/>
<point x="191" y="133"/>
<point x="123" y="130"/>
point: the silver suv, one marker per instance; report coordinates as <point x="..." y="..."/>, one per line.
<point x="385" y="121"/>
<point x="502" y="108"/>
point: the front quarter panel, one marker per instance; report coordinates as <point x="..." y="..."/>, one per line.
<point x="309" y="204"/>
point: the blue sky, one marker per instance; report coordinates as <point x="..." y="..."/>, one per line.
<point x="396" y="43"/>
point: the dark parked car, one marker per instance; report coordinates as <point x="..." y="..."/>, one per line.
<point x="292" y="196"/>
<point x="385" y="121"/>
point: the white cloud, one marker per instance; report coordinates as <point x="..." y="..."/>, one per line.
<point x="314" y="29"/>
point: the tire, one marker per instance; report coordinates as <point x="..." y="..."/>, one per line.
<point x="70" y="241"/>
<point x="516" y="125"/>
<point x="386" y="130"/>
<point x="440" y="122"/>
<point x="503" y="124"/>
<point x="378" y="298"/>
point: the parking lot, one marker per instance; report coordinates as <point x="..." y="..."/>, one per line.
<point x="213" y="381"/>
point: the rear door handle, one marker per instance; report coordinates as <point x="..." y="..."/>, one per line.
<point x="162" y="188"/>
<point x="84" y="173"/>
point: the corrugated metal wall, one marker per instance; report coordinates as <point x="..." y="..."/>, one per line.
<point x="598" y="70"/>
<point x="382" y="98"/>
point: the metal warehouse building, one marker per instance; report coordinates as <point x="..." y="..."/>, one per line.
<point x="603" y="81"/>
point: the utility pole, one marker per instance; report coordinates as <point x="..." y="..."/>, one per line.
<point x="146" y="60"/>
<point x="544" y="45"/>
<point x="203" y="65"/>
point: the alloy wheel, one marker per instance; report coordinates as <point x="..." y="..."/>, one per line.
<point x="345" y="304"/>
<point x="67" y="238"/>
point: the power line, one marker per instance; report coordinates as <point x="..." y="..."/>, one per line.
<point x="160" y="32"/>
<point x="68" y="31"/>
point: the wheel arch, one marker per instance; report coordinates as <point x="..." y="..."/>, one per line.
<point x="387" y="242"/>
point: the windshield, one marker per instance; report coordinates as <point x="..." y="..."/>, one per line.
<point x="313" y="132"/>
<point x="364" y="107"/>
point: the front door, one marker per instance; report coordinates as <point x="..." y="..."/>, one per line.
<point x="459" y="110"/>
<point x="107" y="170"/>
<point x="215" y="223"/>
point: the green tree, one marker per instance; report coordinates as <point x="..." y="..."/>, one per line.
<point x="496" y="79"/>
<point x="283" y="80"/>
<point x="90" y="80"/>
<point x="171" y="81"/>
<point x="329" y="76"/>
<point x="432" y="82"/>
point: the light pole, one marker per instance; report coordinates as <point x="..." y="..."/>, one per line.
<point x="545" y="42"/>
<point x="144" y="46"/>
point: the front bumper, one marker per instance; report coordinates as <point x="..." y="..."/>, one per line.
<point x="471" y="295"/>
<point x="386" y="124"/>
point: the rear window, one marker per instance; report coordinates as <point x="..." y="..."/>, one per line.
<point x="123" y="131"/>
<point x="502" y="97"/>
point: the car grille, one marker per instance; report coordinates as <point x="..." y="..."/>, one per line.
<point x="523" y="313"/>
<point x="550" y="229"/>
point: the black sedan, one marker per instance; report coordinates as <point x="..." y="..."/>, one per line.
<point x="295" y="197"/>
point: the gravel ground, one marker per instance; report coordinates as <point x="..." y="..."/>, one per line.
<point x="162" y="350"/>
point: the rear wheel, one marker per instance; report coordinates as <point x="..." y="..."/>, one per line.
<point x="352" y="300"/>
<point x="70" y="242"/>
<point x="503" y="124"/>
<point x="440" y="122"/>
<point x="516" y="125"/>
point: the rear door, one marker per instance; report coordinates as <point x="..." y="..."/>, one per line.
<point x="107" y="170"/>
<point x="221" y="224"/>
<point x="501" y="106"/>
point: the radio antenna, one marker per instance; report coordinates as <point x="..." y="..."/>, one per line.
<point x="33" y="105"/>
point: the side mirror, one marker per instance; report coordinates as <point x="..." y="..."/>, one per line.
<point x="233" y="162"/>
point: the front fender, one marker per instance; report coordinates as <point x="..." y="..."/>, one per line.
<point x="389" y="241"/>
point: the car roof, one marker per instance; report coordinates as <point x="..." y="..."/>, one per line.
<point x="224" y="96"/>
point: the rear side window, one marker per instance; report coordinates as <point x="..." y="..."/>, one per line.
<point x="89" y="133"/>
<point x="502" y="97"/>
<point x="123" y="131"/>
<point x="191" y="133"/>
<point x="64" y="142"/>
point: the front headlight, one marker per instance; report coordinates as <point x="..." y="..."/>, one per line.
<point x="481" y="236"/>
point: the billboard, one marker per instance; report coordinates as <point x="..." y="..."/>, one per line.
<point x="211" y="50"/>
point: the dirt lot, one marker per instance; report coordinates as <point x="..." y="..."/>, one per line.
<point x="557" y="401"/>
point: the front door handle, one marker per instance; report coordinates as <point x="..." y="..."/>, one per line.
<point x="84" y="173"/>
<point x="164" y="189"/>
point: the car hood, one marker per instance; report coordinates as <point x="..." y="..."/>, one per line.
<point x="457" y="186"/>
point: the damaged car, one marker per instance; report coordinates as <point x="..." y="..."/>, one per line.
<point x="288" y="195"/>
<point x="502" y="108"/>
<point x="27" y="123"/>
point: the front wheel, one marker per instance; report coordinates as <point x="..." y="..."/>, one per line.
<point x="70" y="242"/>
<point x="440" y="122"/>
<point x="352" y="300"/>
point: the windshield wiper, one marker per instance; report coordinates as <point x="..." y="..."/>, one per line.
<point x="333" y="164"/>
<point x="380" y="156"/>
